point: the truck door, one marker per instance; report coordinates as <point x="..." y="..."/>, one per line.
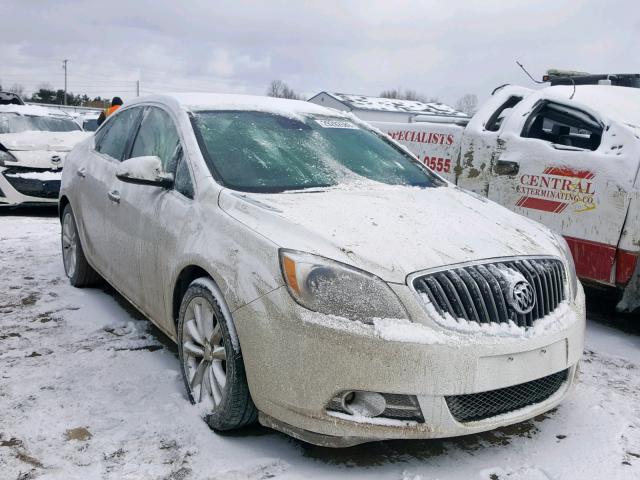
<point x="566" y="168"/>
<point x="480" y="140"/>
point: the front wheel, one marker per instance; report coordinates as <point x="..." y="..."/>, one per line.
<point x="80" y="273"/>
<point x="210" y="359"/>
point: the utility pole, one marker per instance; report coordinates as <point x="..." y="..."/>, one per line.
<point x="137" y="88"/>
<point x="64" y="66"/>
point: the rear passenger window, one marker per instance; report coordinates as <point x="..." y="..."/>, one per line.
<point x="495" y="122"/>
<point x="115" y="139"/>
<point x="562" y="125"/>
<point x="157" y="136"/>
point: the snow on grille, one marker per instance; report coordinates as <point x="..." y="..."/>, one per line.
<point x="483" y="293"/>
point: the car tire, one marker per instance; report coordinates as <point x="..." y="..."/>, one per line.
<point x="210" y="359"/>
<point x="76" y="267"/>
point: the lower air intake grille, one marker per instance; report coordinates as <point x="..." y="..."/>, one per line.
<point x="478" y="406"/>
<point x="22" y="181"/>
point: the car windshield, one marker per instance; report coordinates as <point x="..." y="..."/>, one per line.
<point x="266" y="152"/>
<point x="15" y="123"/>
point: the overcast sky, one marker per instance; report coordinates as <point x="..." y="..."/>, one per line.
<point x="442" y="49"/>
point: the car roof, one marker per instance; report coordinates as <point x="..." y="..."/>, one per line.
<point x="620" y="103"/>
<point x="32" y="110"/>
<point x="220" y="101"/>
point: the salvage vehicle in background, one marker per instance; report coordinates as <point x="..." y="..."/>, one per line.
<point x="316" y="276"/>
<point x="33" y="144"/>
<point x="565" y="156"/>
<point x="9" y="98"/>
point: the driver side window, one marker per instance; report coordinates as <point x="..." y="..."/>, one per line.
<point x="561" y="125"/>
<point x="158" y="136"/>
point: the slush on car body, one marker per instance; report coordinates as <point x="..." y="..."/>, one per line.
<point x="316" y="276"/>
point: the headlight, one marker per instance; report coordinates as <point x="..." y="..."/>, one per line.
<point x="6" y="156"/>
<point x="569" y="265"/>
<point x="333" y="288"/>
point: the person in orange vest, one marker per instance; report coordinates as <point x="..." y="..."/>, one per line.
<point x="115" y="105"/>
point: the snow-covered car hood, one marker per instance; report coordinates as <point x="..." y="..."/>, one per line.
<point x="50" y="141"/>
<point x="41" y="150"/>
<point x="391" y="231"/>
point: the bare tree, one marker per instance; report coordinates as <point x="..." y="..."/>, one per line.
<point x="17" y="89"/>
<point x="468" y="104"/>
<point x="407" y="94"/>
<point x="279" y="89"/>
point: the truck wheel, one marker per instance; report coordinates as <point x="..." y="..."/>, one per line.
<point x="80" y="273"/>
<point x="210" y="359"/>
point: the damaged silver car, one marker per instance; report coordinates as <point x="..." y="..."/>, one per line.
<point x="316" y="276"/>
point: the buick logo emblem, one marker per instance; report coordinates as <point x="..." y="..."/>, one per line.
<point x="55" y="159"/>
<point x="523" y="298"/>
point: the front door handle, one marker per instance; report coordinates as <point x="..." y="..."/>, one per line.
<point x="504" y="167"/>
<point x="82" y="172"/>
<point x="114" y="196"/>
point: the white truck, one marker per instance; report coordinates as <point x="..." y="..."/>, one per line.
<point x="566" y="156"/>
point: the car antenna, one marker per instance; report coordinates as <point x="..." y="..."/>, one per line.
<point x="528" y="74"/>
<point x="573" y="82"/>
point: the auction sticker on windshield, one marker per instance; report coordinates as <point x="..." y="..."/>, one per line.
<point x="331" y="123"/>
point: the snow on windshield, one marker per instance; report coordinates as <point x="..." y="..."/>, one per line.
<point x="11" y="122"/>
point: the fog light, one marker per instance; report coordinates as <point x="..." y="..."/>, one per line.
<point x="364" y="404"/>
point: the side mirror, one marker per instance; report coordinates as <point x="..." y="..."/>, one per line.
<point x="144" y="171"/>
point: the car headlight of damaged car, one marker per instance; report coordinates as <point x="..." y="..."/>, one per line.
<point x="6" y="157"/>
<point x="333" y="288"/>
<point x="570" y="267"/>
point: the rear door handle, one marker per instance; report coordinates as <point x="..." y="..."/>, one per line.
<point x="114" y="196"/>
<point x="504" y="167"/>
<point x="82" y="172"/>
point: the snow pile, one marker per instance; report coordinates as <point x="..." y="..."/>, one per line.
<point x="557" y="320"/>
<point x="400" y="330"/>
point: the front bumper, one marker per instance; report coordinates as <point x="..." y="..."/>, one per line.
<point x="19" y="186"/>
<point x="297" y="360"/>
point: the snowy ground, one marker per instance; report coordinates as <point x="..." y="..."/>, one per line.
<point x="89" y="389"/>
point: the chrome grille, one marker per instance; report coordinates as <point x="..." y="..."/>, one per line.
<point x="478" y="406"/>
<point x="481" y="293"/>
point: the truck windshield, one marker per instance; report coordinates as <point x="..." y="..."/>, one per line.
<point x="15" y="123"/>
<point x="266" y="152"/>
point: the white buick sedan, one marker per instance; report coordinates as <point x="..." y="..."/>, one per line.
<point x="316" y="276"/>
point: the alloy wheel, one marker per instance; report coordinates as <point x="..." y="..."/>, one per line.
<point x="69" y="245"/>
<point x="204" y="354"/>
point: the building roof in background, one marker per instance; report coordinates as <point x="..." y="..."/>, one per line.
<point x="379" y="104"/>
